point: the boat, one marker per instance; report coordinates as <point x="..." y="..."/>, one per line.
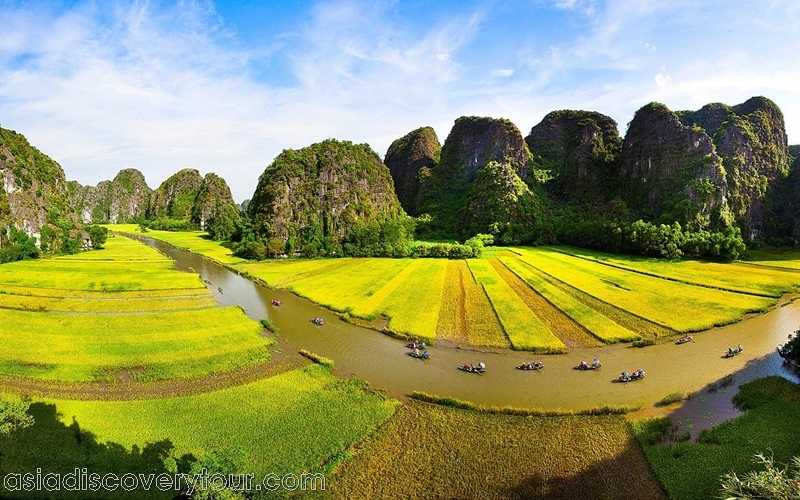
<point x="276" y="302"/>
<point x="473" y="369"/>
<point x="636" y="375"/>
<point x="731" y="352"/>
<point x="419" y="355"/>
<point x="586" y="366"/>
<point x="318" y="321"/>
<point x="531" y="366"/>
<point x="684" y="340"/>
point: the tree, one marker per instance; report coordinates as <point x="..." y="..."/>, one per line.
<point x="778" y="483"/>
<point x="14" y="415"/>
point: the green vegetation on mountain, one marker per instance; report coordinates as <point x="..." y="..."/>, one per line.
<point x="485" y="167"/>
<point x="330" y="198"/>
<point x="410" y="159"/>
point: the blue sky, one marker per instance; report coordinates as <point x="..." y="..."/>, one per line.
<point x="224" y="87"/>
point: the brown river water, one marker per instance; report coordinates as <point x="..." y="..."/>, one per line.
<point x="383" y="360"/>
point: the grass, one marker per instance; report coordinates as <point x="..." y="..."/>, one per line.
<point x="593" y="321"/>
<point x="681" y="307"/>
<point x="692" y="470"/>
<point x="433" y="451"/>
<point x="671" y="398"/>
<point x="735" y="276"/>
<point x="196" y="241"/>
<point x="293" y="422"/>
<point x="106" y="305"/>
<point x="524" y="328"/>
<point x="155" y="346"/>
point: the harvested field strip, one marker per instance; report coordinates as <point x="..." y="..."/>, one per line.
<point x="181" y="344"/>
<point x="564" y="327"/>
<point x="732" y="277"/>
<point x="483" y="325"/>
<point x="632" y="322"/>
<point x="452" y="324"/>
<point x="517" y="457"/>
<point x="685" y="308"/>
<point x="599" y="325"/>
<point x="110" y="305"/>
<point x="28" y="291"/>
<point x="524" y="329"/>
<point x="345" y="290"/>
<point x="279" y="273"/>
<point x="414" y="303"/>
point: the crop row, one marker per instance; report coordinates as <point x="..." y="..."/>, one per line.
<point x="678" y="306"/>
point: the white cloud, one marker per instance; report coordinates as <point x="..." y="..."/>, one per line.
<point x="662" y="80"/>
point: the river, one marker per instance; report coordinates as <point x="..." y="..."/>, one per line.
<point x="383" y="360"/>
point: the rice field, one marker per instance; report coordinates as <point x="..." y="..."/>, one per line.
<point x="681" y="307"/>
<point x="429" y="451"/>
<point x="293" y="422"/>
<point x="150" y="346"/>
<point x="128" y="313"/>
<point x="524" y="328"/>
<point x="195" y="241"/>
<point x="466" y="315"/>
<point x="540" y="299"/>
<point x="736" y="277"/>
<point x="599" y="325"/>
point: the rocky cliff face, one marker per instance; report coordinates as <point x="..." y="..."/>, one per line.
<point x="753" y="146"/>
<point x="473" y="143"/>
<point x="323" y="191"/>
<point x="119" y="201"/>
<point x="33" y="186"/>
<point x="213" y="200"/>
<point x="672" y="171"/>
<point x="419" y="149"/>
<point x="175" y="197"/>
<point x="580" y="150"/>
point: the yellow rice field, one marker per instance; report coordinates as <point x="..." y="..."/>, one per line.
<point x="731" y="276"/>
<point x="599" y="325"/>
<point x="524" y="328"/>
<point x="682" y="307"/>
<point x="196" y="241"/>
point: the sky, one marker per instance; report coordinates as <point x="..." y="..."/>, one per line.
<point x="224" y="87"/>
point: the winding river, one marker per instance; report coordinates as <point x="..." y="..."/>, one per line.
<point x="382" y="360"/>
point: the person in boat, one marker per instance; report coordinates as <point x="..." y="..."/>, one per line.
<point x="466" y="367"/>
<point x="426" y="355"/>
<point x="624" y="375"/>
<point x="539" y="363"/>
<point x="422" y="345"/>
<point x="596" y="362"/>
<point x="415" y="352"/>
<point x="481" y="366"/>
<point x="730" y="351"/>
<point x="531" y="366"/>
<point x="740" y="348"/>
<point x="583" y="365"/>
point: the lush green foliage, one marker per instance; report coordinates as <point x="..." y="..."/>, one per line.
<point x="693" y="470"/>
<point x="778" y="483"/>
<point x="18" y="246"/>
<point x="14" y="415"/>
